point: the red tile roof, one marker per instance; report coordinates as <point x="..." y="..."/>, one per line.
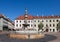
<point x="22" y="17"/>
<point x="30" y="17"/>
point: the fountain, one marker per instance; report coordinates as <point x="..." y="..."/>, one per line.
<point x="26" y="33"/>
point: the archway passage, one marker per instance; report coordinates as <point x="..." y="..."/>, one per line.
<point x="46" y="30"/>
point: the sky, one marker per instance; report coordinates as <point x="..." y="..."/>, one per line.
<point x="14" y="8"/>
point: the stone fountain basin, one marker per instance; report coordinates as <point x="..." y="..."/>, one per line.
<point x="25" y="36"/>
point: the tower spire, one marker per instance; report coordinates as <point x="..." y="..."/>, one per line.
<point x="26" y="11"/>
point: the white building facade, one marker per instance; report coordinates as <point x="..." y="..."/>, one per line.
<point x="49" y="22"/>
<point x="5" y="23"/>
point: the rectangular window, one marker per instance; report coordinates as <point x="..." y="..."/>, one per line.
<point x="16" y="25"/>
<point x="53" y="20"/>
<point x="57" y="20"/>
<point x="31" y="21"/>
<point x="35" y="25"/>
<point x="50" y="20"/>
<point x="31" y="25"/>
<point x="28" y="21"/>
<point x="53" y="25"/>
<point x="42" y="21"/>
<point x="46" y="20"/>
<point x="57" y="25"/>
<point x="20" y="21"/>
<point x="50" y="25"/>
<point x="25" y="21"/>
<point x="17" y="21"/>
<point x="50" y="29"/>
<point x="38" y="21"/>
<point x="35" y="21"/>
<point x="20" y="25"/>
<point x="46" y="25"/>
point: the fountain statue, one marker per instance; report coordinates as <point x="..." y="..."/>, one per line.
<point x="26" y="32"/>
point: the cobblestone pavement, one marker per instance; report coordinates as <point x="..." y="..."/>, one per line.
<point x="49" y="37"/>
<point x="57" y="35"/>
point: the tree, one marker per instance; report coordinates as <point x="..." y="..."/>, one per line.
<point x="58" y="25"/>
<point x="40" y="26"/>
